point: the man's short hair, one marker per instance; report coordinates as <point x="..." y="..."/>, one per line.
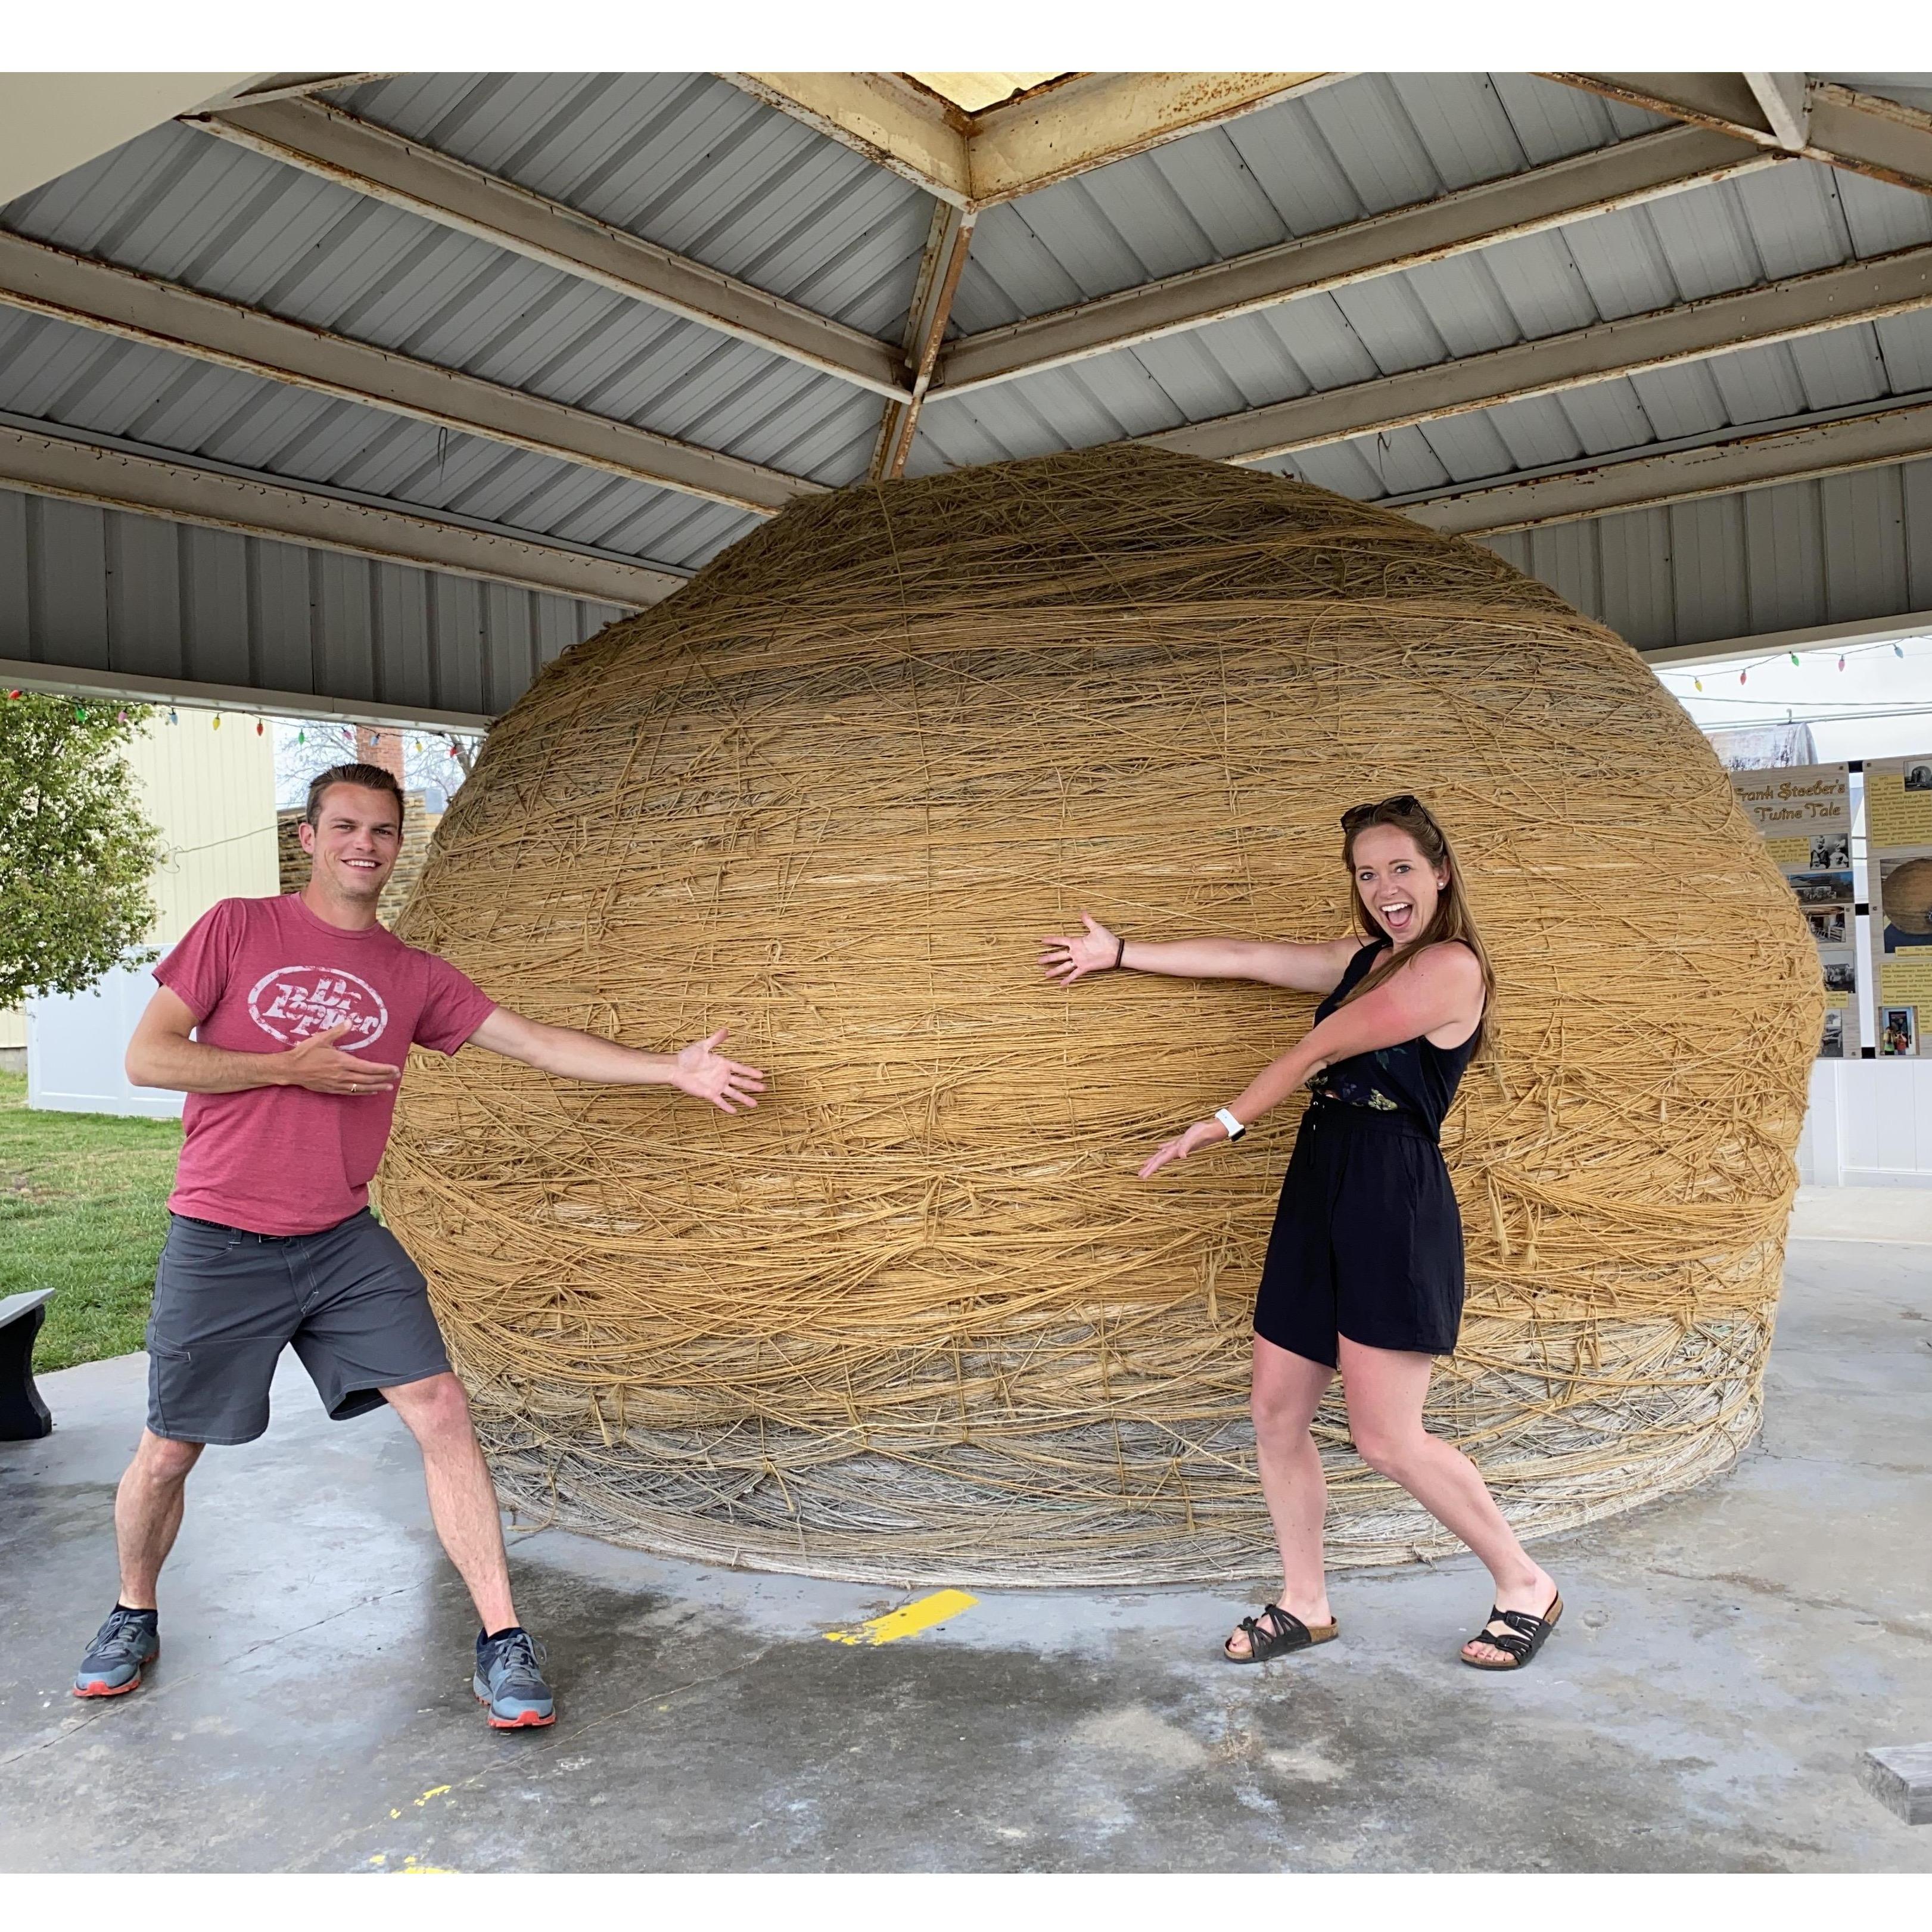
<point x="371" y="778"/>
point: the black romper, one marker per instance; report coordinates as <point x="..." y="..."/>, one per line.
<point x="1367" y="1240"/>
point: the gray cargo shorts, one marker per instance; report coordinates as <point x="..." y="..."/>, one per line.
<point x="227" y="1303"/>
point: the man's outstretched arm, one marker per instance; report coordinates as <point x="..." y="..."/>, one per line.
<point x="698" y="1069"/>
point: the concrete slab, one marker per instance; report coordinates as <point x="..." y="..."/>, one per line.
<point x="1726" y="1661"/>
<point x="1889" y="1214"/>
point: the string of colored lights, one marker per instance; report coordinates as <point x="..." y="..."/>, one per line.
<point x="1898" y="649"/>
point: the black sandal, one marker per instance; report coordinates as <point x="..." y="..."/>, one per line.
<point x="1274" y="1633"/>
<point x="1524" y="1636"/>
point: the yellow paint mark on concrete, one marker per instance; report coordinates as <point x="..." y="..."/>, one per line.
<point x="434" y="1791"/>
<point x="381" y="1858"/>
<point x="908" y="1620"/>
<point x="394" y="1813"/>
<point x="412" y="1868"/>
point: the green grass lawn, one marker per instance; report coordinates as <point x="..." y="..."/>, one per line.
<point x="83" y="1210"/>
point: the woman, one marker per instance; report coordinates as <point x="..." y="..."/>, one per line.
<point x="1364" y="1267"/>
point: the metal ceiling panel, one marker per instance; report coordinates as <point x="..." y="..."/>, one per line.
<point x="1758" y="385"/>
<point x="1796" y="218"/>
<point x="690" y="163"/>
<point x="693" y="164"/>
<point x="1834" y="549"/>
<point x="180" y="205"/>
<point x="1839" y="368"/>
<point x="1368" y="143"/>
<point x="1606" y="416"/>
<point x="1552" y="121"/>
<point x="103" y="590"/>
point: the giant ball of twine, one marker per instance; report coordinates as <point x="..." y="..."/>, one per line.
<point x="916" y="1319"/>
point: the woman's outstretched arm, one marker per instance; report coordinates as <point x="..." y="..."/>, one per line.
<point x="1440" y="986"/>
<point x="1309" y="969"/>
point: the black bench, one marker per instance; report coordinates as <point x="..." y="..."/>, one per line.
<point x="23" y="1417"/>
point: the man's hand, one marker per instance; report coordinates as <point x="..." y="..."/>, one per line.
<point x="319" y="1064"/>
<point x="1093" y="951"/>
<point x="1203" y="1133"/>
<point x="705" y="1074"/>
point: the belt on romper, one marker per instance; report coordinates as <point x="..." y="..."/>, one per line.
<point x="1336" y="1106"/>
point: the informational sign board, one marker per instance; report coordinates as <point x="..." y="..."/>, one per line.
<point x="1898" y="839"/>
<point x="1804" y="813"/>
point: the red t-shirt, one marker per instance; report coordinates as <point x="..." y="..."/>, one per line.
<point x="262" y="975"/>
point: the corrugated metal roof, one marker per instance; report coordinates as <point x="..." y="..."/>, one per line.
<point x="1784" y="221"/>
<point x="178" y="204"/>
<point x="1364" y="145"/>
<point x="60" y="373"/>
<point x="142" y="597"/>
<point x="691" y="163"/>
<point x="1830" y="550"/>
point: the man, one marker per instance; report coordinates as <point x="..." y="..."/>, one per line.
<point x="287" y="1021"/>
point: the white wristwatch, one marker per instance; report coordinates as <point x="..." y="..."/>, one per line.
<point x="1235" y="1130"/>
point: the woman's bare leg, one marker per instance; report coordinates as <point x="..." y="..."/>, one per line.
<point x="1288" y="1389"/>
<point x="1385" y="1388"/>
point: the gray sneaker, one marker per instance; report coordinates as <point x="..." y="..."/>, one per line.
<point x="509" y="1680"/>
<point x="121" y="1647"/>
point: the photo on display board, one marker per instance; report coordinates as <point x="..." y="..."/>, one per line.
<point x="1905" y="899"/>
<point x="1918" y="777"/>
<point x="1898" y="1032"/>
<point x="1803" y="814"/>
<point x="1823" y="888"/>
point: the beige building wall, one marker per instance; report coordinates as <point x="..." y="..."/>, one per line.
<point x="211" y="791"/>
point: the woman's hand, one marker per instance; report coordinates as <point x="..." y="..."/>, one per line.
<point x="1203" y="1133"/>
<point x="1093" y="951"/>
<point x="705" y="1074"/>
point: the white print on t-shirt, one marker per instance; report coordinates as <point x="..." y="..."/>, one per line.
<point x="293" y="1002"/>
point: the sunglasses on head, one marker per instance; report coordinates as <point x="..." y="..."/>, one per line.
<point x="1403" y="801"/>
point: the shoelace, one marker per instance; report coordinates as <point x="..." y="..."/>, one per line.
<point x="121" y="1633"/>
<point x="514" y="1656"/>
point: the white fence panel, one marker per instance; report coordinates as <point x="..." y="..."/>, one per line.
<point x="1870" y="1124"/>
<point x="76" y="1042"/>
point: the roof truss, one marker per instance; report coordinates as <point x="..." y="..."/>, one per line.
<point x="46" y="280"/>
<point x="335" y="146"/>
<point x="1859" y="291"/>
<point x="116" y="474"/>
<point x="1619" y="176"/>
<point x="1791" y="112"/>
<point x="1860" y="439"/>
<point x="1048" y="134"/>
<point x="1735" y="123"/>
<point x="940" y="269"/>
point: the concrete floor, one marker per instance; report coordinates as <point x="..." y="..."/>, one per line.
<point x="1724" y="1659"/>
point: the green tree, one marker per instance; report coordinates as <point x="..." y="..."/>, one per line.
<point x="76" y="852"/>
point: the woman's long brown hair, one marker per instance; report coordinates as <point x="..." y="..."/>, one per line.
<point x="1453" y="919"/>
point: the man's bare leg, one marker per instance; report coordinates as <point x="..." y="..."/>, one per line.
<point x="147" y="1512"/>
<point x="462" y="1498"/>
